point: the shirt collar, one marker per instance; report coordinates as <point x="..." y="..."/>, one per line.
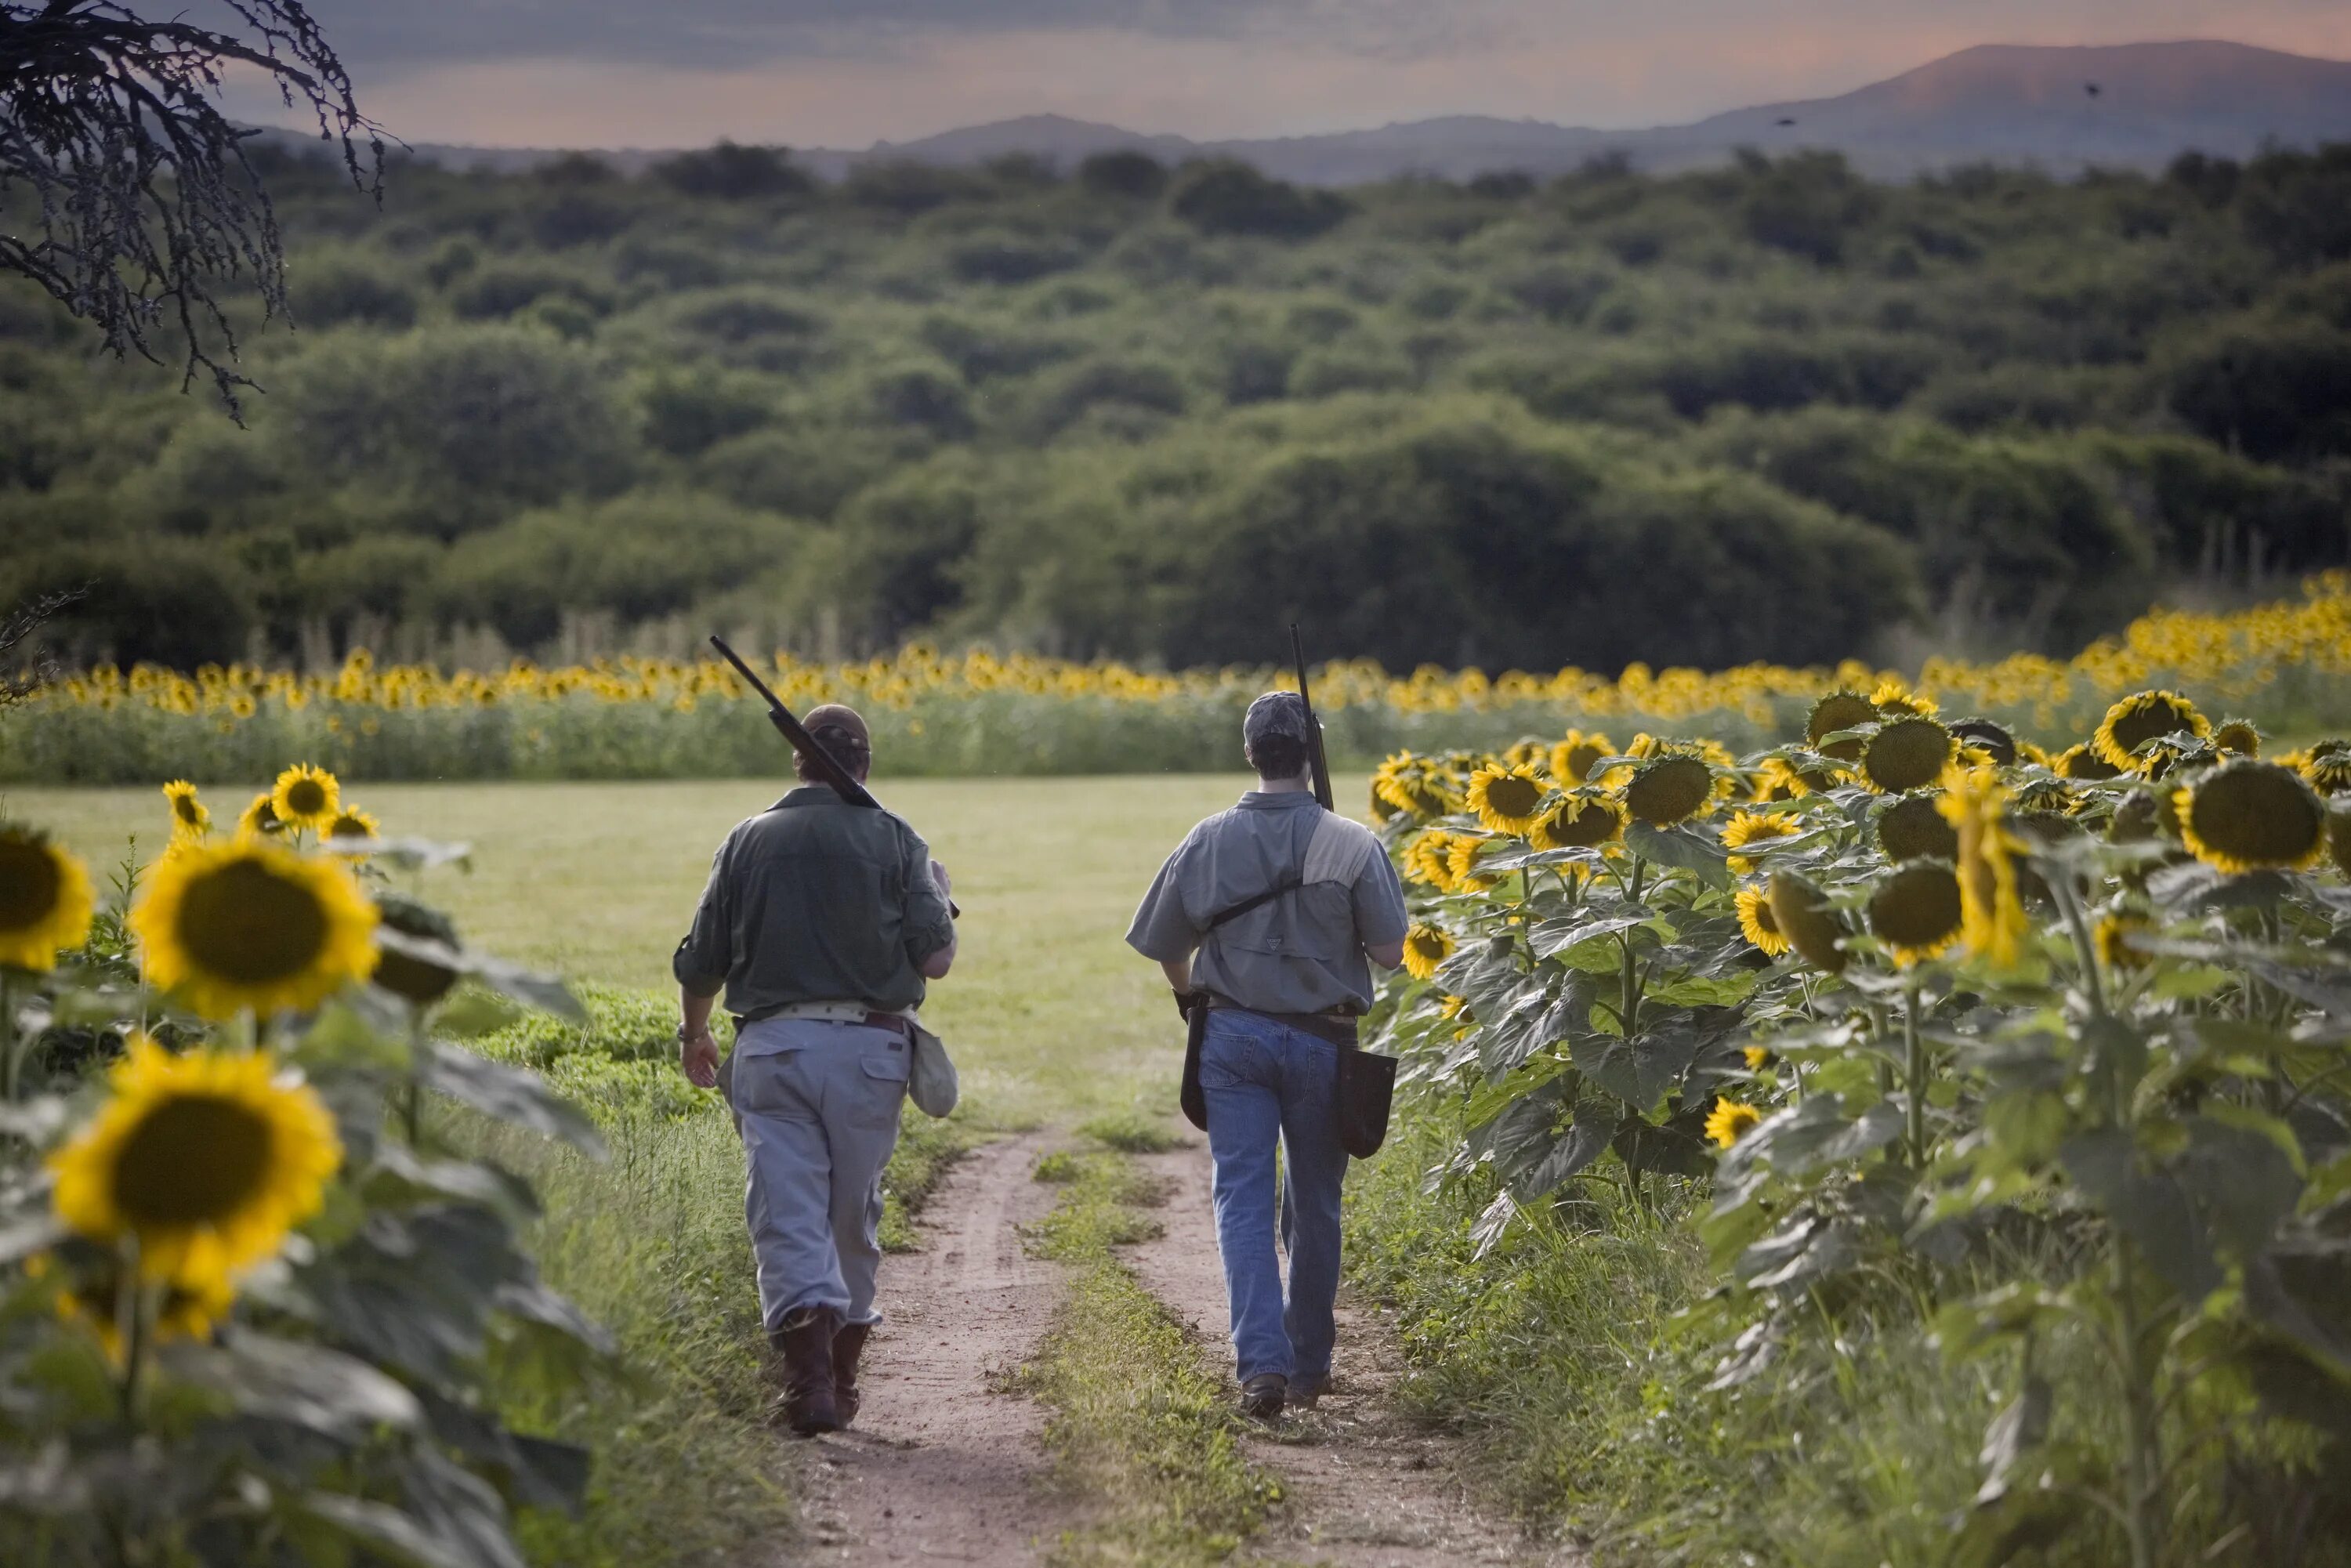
<point x="805" y="795"/>
<point x="1277" y="799"/>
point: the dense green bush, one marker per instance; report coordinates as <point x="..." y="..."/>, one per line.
<point x="1149" y="412"/>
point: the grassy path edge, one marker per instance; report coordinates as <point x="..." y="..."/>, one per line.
<point x="1138" y="1428"/>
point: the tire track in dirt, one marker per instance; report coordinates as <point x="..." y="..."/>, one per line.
<point x="1366" y="1487"/>
<point x="943" y="1463"/>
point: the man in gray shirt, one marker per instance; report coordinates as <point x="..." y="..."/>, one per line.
<point x="1285" y="981"/>
<point x="822" y="922"/>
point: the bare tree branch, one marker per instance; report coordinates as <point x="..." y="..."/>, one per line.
<point x="21" y="680"/>
<point x="149" y="206"/>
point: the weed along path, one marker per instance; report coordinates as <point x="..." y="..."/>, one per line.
<point x="945" y="1461"/>
<point x="1363" y="1484"/>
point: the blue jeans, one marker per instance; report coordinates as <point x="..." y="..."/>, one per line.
<point x="1267" y="1082"/>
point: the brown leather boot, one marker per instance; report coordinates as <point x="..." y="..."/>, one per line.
<point x="805" y="1342"/>
<point x="848" y="1345"/>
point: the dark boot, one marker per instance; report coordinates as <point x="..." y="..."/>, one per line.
<point x="1262" y="1397"/>
<point x="805" y="1342"/>
<point x="848" y="1345"/>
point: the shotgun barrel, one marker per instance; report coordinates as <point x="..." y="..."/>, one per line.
<point x="1323" y="796"/>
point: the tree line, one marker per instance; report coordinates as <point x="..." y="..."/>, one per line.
<point x="1766" y="411"/>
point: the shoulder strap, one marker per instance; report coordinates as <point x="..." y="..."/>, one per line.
<point x="1290" y="883"/>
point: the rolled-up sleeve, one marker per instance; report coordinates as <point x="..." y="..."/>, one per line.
<point x="707" y="955"/>
<point x="929" y="924"/>
<point x="1163" y="928"/>
<point x="1380" y="915"/>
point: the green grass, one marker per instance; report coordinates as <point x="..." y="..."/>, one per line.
<point x="1142" y="1432"/>
<point x="652" y="1245"/>
<point x="1050" y="1015"/>
<point x="1132" y="1133"/>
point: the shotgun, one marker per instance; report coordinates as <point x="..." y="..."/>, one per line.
<point x="1323" y="796"/>
<point x="826" y="766"/>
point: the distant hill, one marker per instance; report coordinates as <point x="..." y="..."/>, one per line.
<point x="1999" y="102"/>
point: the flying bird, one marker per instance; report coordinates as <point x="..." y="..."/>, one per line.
<point x="2092" y="89"/>
<point x="1787" y="121"/>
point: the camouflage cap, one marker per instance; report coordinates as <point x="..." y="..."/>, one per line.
<point x="1276" y="715"/>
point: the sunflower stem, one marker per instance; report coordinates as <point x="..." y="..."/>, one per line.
<point x="1914" y="1068"/>
<point x="412" y="1106"/>
<point x="8" y="1042"/>
<point x="130" y="1310"/>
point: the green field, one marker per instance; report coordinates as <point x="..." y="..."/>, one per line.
<point x="1049" y="1014"/>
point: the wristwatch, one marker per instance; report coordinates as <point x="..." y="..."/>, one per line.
<point x="686" y="1039"/>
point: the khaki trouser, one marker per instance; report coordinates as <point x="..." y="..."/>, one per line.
<point x="817" y="1103"/>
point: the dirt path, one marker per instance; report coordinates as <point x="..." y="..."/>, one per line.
<point x="1366" y="1487"/>
<point x="941" y="1464"/>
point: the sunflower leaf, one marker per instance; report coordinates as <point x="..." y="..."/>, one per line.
<point x="509" y="1094"/>
<point x="1679" y="848"/>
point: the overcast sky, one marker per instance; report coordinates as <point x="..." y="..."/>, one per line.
<point x="846" y="73"/>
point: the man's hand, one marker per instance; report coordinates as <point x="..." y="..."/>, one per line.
<point x="698" y="1054"/>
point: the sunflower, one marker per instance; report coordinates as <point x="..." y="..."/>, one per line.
<point x="417" y="979"/>
<point x="1424" y="947"/>
<point x="1800" y="914"/>
<point x="1776" y="781"/>
<point x="1998" y="745"/>
<point x="2141" y="717"/>
<point x="1669" y="788"/>
<point x="1893" y="698"/>
<point x="1747" y="828"/>
<point x="46" y="900"/>
<point x="1429" y="858"/>
<point x="260" y="818"/>
<point x="1729" y="1121"/>
<point x="1917" y="911"/>
<point x="1571" y="760"/>
<point x="1838" y="711"/>
<point x="2338" y="841"/>
<point x="250" y="925"/>
<point x="190" y="819"/>
<point x="1531" y="755"/>
<point x="187" y="1307"/>
<point x="207" y="1158"/>
<point x="2081" y="762"/>
<point x="1912" y="827"/>
<point x="1506" y="799"/>
<point x="306" y="796"/>
<point x="2253" y="816"/>
<point x="1461" y="860"/>
<point x="1993" y="919"/>
<point x="1758" y="1057"/>
<point x="2113" y="935"/>
<point x="1584" y="818"/>
<point x="1755" y="919"/>
<point x="2239" y="736"/>
<point x="1907" y="754"/>
<point x="2328" y="766"/>
<point x="351" y="822"/>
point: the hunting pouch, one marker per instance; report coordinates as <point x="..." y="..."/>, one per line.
<point x="1367" y="1089"/>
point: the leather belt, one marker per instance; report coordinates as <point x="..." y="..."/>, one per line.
<point x="1337" y="1028"/>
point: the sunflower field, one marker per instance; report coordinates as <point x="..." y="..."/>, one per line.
<point x="259" y="1301"/>
<point x="1904" y="1017"/>
<point x="2283" y="664"/>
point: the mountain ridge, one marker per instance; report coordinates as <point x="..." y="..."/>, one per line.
<point x="2065" y="108"/>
